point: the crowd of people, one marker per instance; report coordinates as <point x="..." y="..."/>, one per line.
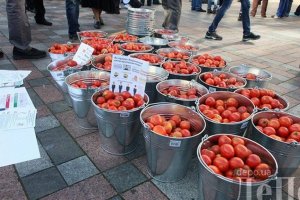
<point x="20" y="33"/>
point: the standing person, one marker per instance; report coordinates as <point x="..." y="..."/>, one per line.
<point x="98" y="6"/>
<point x="40" y="13"/>
<point x="287" y="13"/>
<point x="197" y="6"/>
<point x="282" y="8"/>
<point x="297" y="11"/>
<point x="72" y="12"/>
<point x="247" y="34"/>
<point x="209" y="4"/>
<point x="19" y="31"/>
<point x="263" y="8"/>
<point x="172" y="10"/>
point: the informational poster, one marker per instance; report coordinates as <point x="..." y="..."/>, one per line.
<point x="12" y="78"/>
<point x="128" y="74"/>
<point x="83" y="54"/>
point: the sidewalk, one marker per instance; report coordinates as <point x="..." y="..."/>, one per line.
<point x="73" y="166"/>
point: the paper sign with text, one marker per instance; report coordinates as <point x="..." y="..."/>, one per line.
<point x="83" y="54"/>
<point x="128" y="74"/>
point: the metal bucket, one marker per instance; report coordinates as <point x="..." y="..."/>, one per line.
<point x="188" y="77"/>
<point x="56" y="56"/>
<point x="154" y="76"/>
<point x="99" y="59"/>
<point x="262" y="75"/>
<point x="183" y="85"/>
<point x="282" y="100"/>
<point x="161" y="32"/>
<point x="287" y="155"/>
<point x="217" y="187"/>
<point x="127" y="52"/>
<point x="237" y="128"/>
<point x="81" y="98"/>
<point x="207" y="69"/>
<point x="162" y="51"/>
<point x="157" y="43"/>
<point x="160" y="59"/>
<point x="81" y="37"/>
<point x="59" y="77"/>
<point x="212" y="88"/>
<point x="179" y="45"/>
<point x="118" y="129"/>
<point x="140" y="21"/>
<point x="168" y="158"/>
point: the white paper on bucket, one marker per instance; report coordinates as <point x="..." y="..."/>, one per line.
<point x="128" y="74"/>
<point x="16" y="109"/>
<point x="83" y="54"/>
<point x="12" y="78"/>
<point x="18" y="145"/>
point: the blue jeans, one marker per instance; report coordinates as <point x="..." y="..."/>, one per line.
<point x="282" y="8"/>
<point x="72" y="11"/>
<point x="221" y="12"/>
<point x="209" y="2"/>
<point x="196" y="4"/>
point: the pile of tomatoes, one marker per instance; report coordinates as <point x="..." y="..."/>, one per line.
<point x="224" y="111"/>
<point x="262" y="98"/>
<point x="282" y="128"/>
<point x="103" y="46"/>
<point x="119" y="101"/>
<point x="175" y="55"/>
<point x="231" y="158"/>
<point x="182" y="46"/>
<point x="175" y="91"/>
<point x="106" y="65"/>
<point x="222" y="80"/>
<point x="180" y="67"/>
<point x="92" y="34"/>
<point x="207" y="60"/>
<point x="149" y="57"/>
<point x="124" y="37"/>
<point x="63" y="48"/>
<point x="136" y="47"/>
<point x="63" y="65"/>
<point x="175" y="126"/>
<point x="84" y="84"/>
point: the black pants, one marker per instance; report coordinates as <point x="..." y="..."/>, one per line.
<point x="38" y="5"/>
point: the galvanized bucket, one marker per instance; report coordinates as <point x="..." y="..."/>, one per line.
<point x="59" y="77"/>
<point x="168" y="158"/>
<point x="217" y="187"/>
<point x="81" y="98"/>
<point x="118" y="130"/>
<point x="237" y="128"/>
<point x="178" y="45"/>
<point x="287" y="155"/>
<point x="140" y="21"/>
<point x="188" y="77"/>
<point x="169" y="50"/>
<point x="127" y="52"/>
<point x="213" y="88"/>
<point x="160" y="59"/>
<point x="262" y="75"/>
<point x="207" y="69"/>
<point x="281" y="99"/>
<point x="82" y="37"/>
<point x="154" y="76"/>
<point x="183" y="85"/>
<point x="155" y="42"/>
<point x="55" y="56"/>
<point x="99" y="59"/>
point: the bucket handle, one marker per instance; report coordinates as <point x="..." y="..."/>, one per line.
<point x="204" y="137"/>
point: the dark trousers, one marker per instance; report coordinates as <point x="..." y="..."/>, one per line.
<point x="39" y="10"/>
<point x="172" y="9"/>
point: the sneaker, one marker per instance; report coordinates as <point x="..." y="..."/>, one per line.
<point x="97" y="25"/>
<point x="200" y="10"/>
<point x="30" y="53"/>
<point x="251" y="36"/>
<point x="43" y="22"/>
<point x="213" y="36"/>
<point x="73" y="37"/>
<point x="209" y="11"/>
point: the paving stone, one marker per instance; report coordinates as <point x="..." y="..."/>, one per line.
<point x="295" y="94"/>
<point x="77" y="170"/>
<point x="43" y="183"/>
<point x="93" y="188"/>
<point x="42" y="64"/>
<point x="295" y="110"/>
<point x="10" y="187"/>
<point x="7" y="67"/>
<point x="178" y="190"/>
<point x="36" y="100"/>
<point x="4" y="62"/>
<point x="32" y="166"/>
<point x="144" y="191"/>
<point x="39" y="82"/>
<point x="69" y="119"/>
<point x="91" y="145"/>
<point x="142" y="164"/>
<point x="59" y="145"/>
<point x="116" y="198"/>
<point x="42" y="111"/>
<point x="140" y="150"/>
<point x="49" y="93"/>
<point x="45" y="123"/>
<point x="59" y="106"/>
<point x="288" y="86"/>
<point x="124" y="177"/>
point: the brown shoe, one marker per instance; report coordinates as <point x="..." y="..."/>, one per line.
<point x="263" y="16"/>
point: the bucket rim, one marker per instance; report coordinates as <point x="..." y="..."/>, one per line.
<point x="256" y="68"/>
<point x="162" y="59"/>
<point x="182" y="75"/>
<point x="166" y="104"/>
<point x="270" y="178"/>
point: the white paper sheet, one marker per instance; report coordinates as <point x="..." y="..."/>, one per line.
<point x="18" y="145"/>
<point x="10" y="78"/>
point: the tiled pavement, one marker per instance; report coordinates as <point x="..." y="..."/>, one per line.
<point x="73" y="166"/>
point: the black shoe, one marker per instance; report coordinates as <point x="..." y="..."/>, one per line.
<point x="43" y="22"/>
<point x="251" y="36"/>
<point x="212" y="36"/>
<point x="209" y="11"/>
<point x="201" y="10"/>
<point x="30" y="53"/>
<point x="1" y="53"/>
<point x="101" y="21"/>
<point x="73" y="37"/>
<point x="97" y="25"/>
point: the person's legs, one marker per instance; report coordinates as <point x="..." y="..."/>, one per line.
<point x="254" y="7"/>
<point x="245" y="16"/>
<point x="264" y="8"/>
<point x="282" y="8"/>
<point x="39" y="10"/>
<point x="175" y="13"/>
<point x="289" y="7"/>
<point x="72" y="12"/>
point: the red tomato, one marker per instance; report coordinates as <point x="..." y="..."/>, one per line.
<point x="283" y="132"/>
<point x="275" y="137"/>
<point x="215" y="169"/>
<point x="232" y="102"/>
<point x="236" y="162"/>
<point x="253" y="160"/>
<point x="295" y="135"/>
<point x="245" y="115"/>
<point x="227" y="151"/>
<point x="210" y="101"/>
<point x="221" y="163"/>
<point x="236" y="140"/>
<point x="274" y="123"/>
<point x="176" y="119"/>
<point x="254" y="93"/>
<point x="226" y="114"/>
<point x="285" y="121"/>
<point x="242" y="109"/>
<point x="219" y="103"/>
<point x="269" y="130"/>
<point x="206" y="159"/>
<point x="207" y="75"/>
<point x="235" y="117"/>
<point x="241" y="151"/>
<point x="185" y="125"/>
<point x="294" y="127"/>
<point x="215" y="148"/>
<point x="223" y="139"/>
<point x="255" y="101"/>
<point x="266" y="100"/>
<point x="262" y="171"/>
<point x="209" y="153"/>
<point x="263" y="122"/>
